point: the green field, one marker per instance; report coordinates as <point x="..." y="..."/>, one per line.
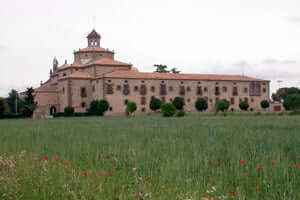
<point x="194" y="157"/>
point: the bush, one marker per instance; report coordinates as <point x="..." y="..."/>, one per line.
<point x="178" y="102"/>
<point x="265" y="104"/>
<point x="201" y="104"/>
<point x="244" y="105"/>
<point x="155" y="104"/>
<point x="168" y="109"/>
<point x="130" y="108"/>
<point x="69" y="111"/>
<point x="1" y="108"/>
<point x="222" y="105"/>
<point x="180" y="113"/>
<point x="292" y="102"/>
<point x="98" y="107"/>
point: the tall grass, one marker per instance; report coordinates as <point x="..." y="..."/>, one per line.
<point x="234" y="157"/>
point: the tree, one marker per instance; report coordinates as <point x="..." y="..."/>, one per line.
<point x="201" y="104"/>
<point x="103" y="106"/>
<point x="69" y="111"/>
<point x="292" y="102"/>
<point x="29" y="103"/>
<point x="265" y="104"/>
<point x="1" y="108"/>
<point x="282" y="93"/>
<point x="161" y="68"/>
<point x="222" y="105"/>
<point x="94" y="107"/>
<point x="130" y="108"/>
<point x="168" y="110"/>
<point x="13" y="101"/>
<point x="244" y="105"/>
<point x="178" y="102"/>
<point x="175" y="71"/>
<point x="155" y="104"/>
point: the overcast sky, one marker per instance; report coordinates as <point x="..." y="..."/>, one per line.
<point x="259" y="38"/>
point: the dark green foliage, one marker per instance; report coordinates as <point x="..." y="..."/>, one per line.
<point x="201" y="104"/>
<point x="178" y="102"/>
<point x="265" y="104"/>
<point x="175" y="71"/>
<point x="14" y="102"/>
<point x="1" y="108"/>
<point x="292" y="102"/>
<point x="69" y="111"/>
<point x="168" y="109"/>
<point x="282" y="93"/>
<point x="180" y="113"/>
<point x="244" y="105"/>
<point x="130" y="108"/>
<point x="222" y="105"/>
<point x="29" y="104"/>
<point x="161" y="68"/>
<point x="98" y="107"/>
<point x="155" y="104"/>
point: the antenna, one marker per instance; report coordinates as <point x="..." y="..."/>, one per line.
<point x="94" y="19"/>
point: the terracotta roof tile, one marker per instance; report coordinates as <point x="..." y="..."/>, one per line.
<point x="108" y="61"/>
<point x="93" y="49"/>
<point x="144" y="75"/>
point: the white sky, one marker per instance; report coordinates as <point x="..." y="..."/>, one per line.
<point x="259" y="37"/>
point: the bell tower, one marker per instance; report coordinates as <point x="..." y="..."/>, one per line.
<point x="94" y="39"/>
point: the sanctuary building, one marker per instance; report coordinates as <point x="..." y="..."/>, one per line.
<point x="95" y="74"/>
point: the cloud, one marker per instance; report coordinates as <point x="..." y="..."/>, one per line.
<point x="293" y="19"/>
<point x="270" y="61"/>
<point x="289" y="62"/>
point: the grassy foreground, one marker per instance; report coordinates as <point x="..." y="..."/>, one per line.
<point x="195" y="157"/>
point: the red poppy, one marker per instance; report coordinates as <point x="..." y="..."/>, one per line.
<point x="215" y="162"/>
<point x="242" y="162"/>
<point x="273" y="164"/>
<point x="46" y="158"/>
<point x="103" y="174"/>
<point x="56" y="158"/>
<point x="232" y="193"/>
<point x="259" y="169"/>
<point x="85" y="173"/>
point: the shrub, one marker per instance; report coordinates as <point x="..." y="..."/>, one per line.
<point x="103" y="106"/>
<point x="264" y="104"/>
<point x="130" y="108"/>
<point x="155" y="104"/>
<point x="168" y="109"/>
<point x="222" y="105"/>
<point x="69" y="111"/>
<point x="180" y="113"/>
<point x="1" y="108"/>
<point x="178" y="102"/>
<point x="201" y="104"/>
<point x="244" y="105"/>
<point x="98" y="107"/>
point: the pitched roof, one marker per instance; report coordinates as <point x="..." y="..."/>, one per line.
<point x="93" y="49"/>
<point x="94" y="34"/>
<point x="108" y="61"/>
<point x="81" y="75"/>
<point x="165" y="76"/>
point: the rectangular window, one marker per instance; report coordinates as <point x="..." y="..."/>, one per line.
<point x="255" y="89"/>
<point x="143" y="100"/>
<point x="182" y="90"/>
<point x="217" y="91"/>
<point x="143" y="90"/>
<point x="245" y="90"/>
<point x="235" y="91"/>
<point x="224" y="89"/>
<point x="83" y="92"/>
<point x="163" y="89"/>
<point x="126" y="89"/>
<point x="199" y="90"/>
<point x="109" y="89"/>
<point x="232" y="100"/>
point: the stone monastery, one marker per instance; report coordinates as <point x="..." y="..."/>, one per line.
<point x="95" y="74"/>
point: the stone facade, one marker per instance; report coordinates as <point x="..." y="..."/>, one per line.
<point x="95" y="74"/>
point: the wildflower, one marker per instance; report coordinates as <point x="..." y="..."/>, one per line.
<point x="56" y="158"/>
<point x="46" y="158"/>
<point x="116" y="160"/>
<point x="85" y="173"/>
<point x="273" y="164"/>
<point x="232" y="193"/>
<point x="297" y="165"/>
<point x="173" y="185"/>
<point x="103" y="174"/>
<point x="259" y="169"/>
<point x="242" y="162"/>
<point x="245" y="173"/>
<point x="102" y="155"/>
<point x="140" y="179"/>
<point x="112" y="171"/>
<point x="148" y="177"/>
<point x="134" y="170"/>
<point x="133" y="147"/>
